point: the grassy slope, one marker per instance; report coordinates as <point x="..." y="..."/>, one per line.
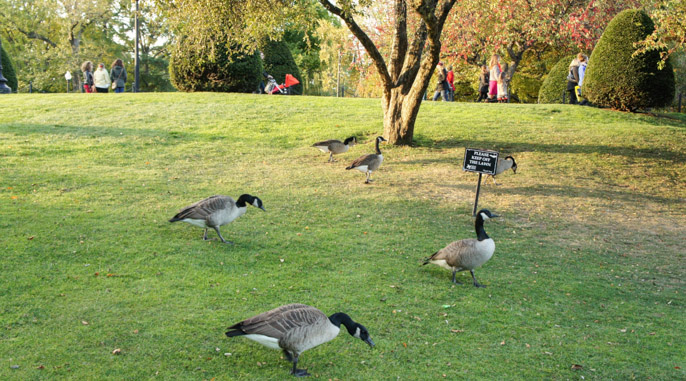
<point x="589" y="266"/>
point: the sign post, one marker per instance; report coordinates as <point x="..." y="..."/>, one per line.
<point x="482" y="162"/>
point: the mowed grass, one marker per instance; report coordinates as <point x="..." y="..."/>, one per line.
<point x="589" y="267"/>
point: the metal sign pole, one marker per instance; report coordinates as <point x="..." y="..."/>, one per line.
<point x="476" y="201"/>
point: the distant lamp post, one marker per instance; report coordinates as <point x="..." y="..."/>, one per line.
<point x="3" y="81"/>
<point x="67" y="76"/>
<point x="136" y="86"/>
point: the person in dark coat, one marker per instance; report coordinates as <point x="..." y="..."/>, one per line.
<point x="441" y="88"/>
<point x="573" y="80"/>
<point x="483" y="83"/>
<point x="87" y="69"/>
<point x="118" y="76"/>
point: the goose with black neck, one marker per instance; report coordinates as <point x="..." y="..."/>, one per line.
<point x="467" y="254"/>
<point x="295" y="328"/>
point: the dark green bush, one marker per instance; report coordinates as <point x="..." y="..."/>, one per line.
<point x="555" y="83"/>
<point x="8" y="70"/>
<point x="278" y="61"/>
<point x="192" y="69"/>
<point x="616" y="79"/>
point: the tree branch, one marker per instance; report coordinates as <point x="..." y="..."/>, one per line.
<point x="364" y="39"/>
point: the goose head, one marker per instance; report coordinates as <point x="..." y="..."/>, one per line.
<point x="380" y="139"/>
<point x="514" y="163"/>
<point x="252" y="200"/>
<point x="350" y="141"/>
<point x="486" y="214"/>
<point x="361" y="333"/>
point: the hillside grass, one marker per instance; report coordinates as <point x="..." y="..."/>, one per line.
<point x="589" y="267"/>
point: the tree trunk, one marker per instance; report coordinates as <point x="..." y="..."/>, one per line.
<point x="411" y="64"/>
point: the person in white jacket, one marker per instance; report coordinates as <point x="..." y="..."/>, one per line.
<point x="101" y="78"/>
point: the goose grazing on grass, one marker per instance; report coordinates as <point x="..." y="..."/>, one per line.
<point x="503" y="165"/>
<point x="335" y="147"/>
<point x="295" y="328"/>
<point x="216" y="211"/>
<point x="369" y="163"/>
<point x="467" y="254"/>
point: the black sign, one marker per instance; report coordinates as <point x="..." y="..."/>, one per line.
<point x="481" y="161"/>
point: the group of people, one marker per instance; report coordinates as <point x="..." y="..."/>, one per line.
<point x="445" y="88"/>
<point x="575" y="78"/>
<point x="100" y="81"/>
<point x="493" y="82"/>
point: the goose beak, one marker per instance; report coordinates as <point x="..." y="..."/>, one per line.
<point x="370" y="342"/>
<point x="262" y="207"/>
<point x="494" y="215"/>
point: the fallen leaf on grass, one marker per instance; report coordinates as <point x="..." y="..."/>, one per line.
<point x="457" y="330"/>
<point x="40" y="367"/>
<point x="405" y="345"/>
<point x="30" y="238"/>
<point x="84" y="322"/>
<point x="576" y="367"/>
<point x="116" y="351"/>
<point x="502" y="342"/>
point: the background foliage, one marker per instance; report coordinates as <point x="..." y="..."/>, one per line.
<point x="278" y="61"/>
<point x="8" y="70"/>
<point x="619" y="79"/>
<point x="555" y="83"/>
<point x="214" y="68"/>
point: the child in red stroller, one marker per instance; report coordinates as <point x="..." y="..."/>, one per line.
<point x="274" y="88"/>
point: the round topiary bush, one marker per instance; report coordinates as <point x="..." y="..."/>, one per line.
<point x="192" y="69"/>
<point x="8" y="70"/>
<point x="555" y="83"/>
<point x="616" y="79"/>
<point x="278" y="61"/>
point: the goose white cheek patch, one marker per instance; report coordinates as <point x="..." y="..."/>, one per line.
<point x="357" y="332"/>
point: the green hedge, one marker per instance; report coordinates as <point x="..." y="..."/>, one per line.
<point x="616" y="79"/>
<point x="555" y="83"/>
<point x="192" y="69"/>
<point x="8" y="70"/>
<point x="278" y="61"/>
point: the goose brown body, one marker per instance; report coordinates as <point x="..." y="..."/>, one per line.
<point x="503" y="165"/>
<point x="370" y="162"/>
<point x="467" y="254"/>
<point x="216" y="211"/>
<point x="295" y="328"/>
<point x="335" y="147"/>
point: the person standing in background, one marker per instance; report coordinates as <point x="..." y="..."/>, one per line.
<point x="118" y="76"/>
<point x="450" y="77"/>
<point x="573" y="80"/>
<point x="87" y="69"/>
<point x="494" y="66"/>
<point x="483" y="84"/>
<point x="102" y="79"/>
<point x="441" y="84"/>
<point x="583" y="62"/>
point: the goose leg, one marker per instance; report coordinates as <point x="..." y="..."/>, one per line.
<point x="216" y="228"/>
<point x="298" y="372"/>
<point x="476" y="284"/>
<point x="330" y="157"/>
<point x="493" y="177"/>
<point x="455" y="280"/>
<point x="204" y="236"/>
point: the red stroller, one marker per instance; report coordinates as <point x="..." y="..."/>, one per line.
<point x="274" y="88"/>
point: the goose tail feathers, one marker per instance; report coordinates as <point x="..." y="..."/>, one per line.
<point x="426" y="260"/>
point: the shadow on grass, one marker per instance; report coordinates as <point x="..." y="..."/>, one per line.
<point x="511" y="148"/>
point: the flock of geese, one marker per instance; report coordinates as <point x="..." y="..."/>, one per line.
<point x="295" y="328"/>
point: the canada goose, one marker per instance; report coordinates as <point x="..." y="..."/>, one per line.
<point x="216" y="211"/>
<point x="467" y="254"/>
<point x="370" y="162"/>
<point x="334" y="147"/>
<point x="503" y="165"/>
<point x="295" y="328"/>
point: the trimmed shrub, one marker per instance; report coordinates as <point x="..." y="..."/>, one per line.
<point x="555" y="83"/>
<point x="191" y="69"/>
<point x="616" y="79"/>
<point x="8" y="71"/>
<point x="278" y="61"/>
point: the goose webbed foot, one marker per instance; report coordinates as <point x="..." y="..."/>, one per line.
<point x="476" y="284"/>
<point x="300" y="373"/>
<point x="295" y="371"/>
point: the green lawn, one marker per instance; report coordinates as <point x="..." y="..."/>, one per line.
<point x="589" y="268"/>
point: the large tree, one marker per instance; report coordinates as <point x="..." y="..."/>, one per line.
<point x="405" y="73"/>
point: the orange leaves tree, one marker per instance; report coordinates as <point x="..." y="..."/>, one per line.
<point x="478" y="28"/>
